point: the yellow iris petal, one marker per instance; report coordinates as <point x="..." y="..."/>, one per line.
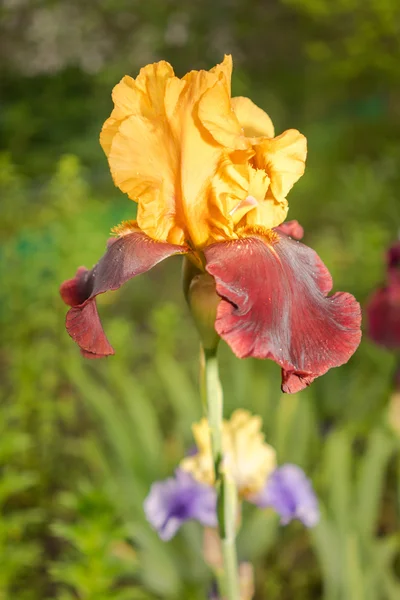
<point x="268" y="213"/>
<point x="248" y="458"/>
<point x="219" y="119"/>
<point x="224" y="71"/>
<point x="198" y="158"/>
<point x="143" y="95"/>
<point x="254" y="120"/>
<point x="229" y="188"/>
<point x="283" y="158"/>
<point x="110" y="129"/>
<point x="142" y="165"/>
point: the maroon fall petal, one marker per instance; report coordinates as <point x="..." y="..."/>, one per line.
<point x="393" y="256"/>
<point x="275" y="305"/>
<point x="383" y="312"/>
<point x="291" y="228"/>
<point x="126" y="257"/>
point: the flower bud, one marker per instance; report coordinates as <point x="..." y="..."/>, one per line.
<point x="203" y="300"/>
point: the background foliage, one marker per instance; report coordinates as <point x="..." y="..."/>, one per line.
<point x="81" y="441"/>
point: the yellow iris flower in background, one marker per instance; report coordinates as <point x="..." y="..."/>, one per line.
<point x="247" y="458"/>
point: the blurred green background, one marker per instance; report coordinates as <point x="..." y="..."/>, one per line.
<point x="81" y="441"/>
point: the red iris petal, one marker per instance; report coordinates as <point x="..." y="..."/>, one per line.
<point x="292" y="228"/>
<point x="126" y="257"/>
<point x="275" y="305"/>
<point x="393" y="257"/>
<point x="383" y="308"/>
<point x="383" y="311"/>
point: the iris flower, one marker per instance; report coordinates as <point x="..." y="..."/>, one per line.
<point x="249" y="461"/>
<point x="210" y="179"/>
<point x="383" y="319"/>
<point x="383" y="309"/>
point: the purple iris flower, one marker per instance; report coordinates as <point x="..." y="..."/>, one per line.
<point x="290" y="493"/>
<point x="177" y="499"/>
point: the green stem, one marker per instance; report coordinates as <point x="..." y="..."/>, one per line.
<point x="214" y="400"/>
<point x="226" y="489"/>
<point x="228" y="541"/>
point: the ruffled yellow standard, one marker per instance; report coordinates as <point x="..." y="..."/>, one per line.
<point x="201" y="165"/>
